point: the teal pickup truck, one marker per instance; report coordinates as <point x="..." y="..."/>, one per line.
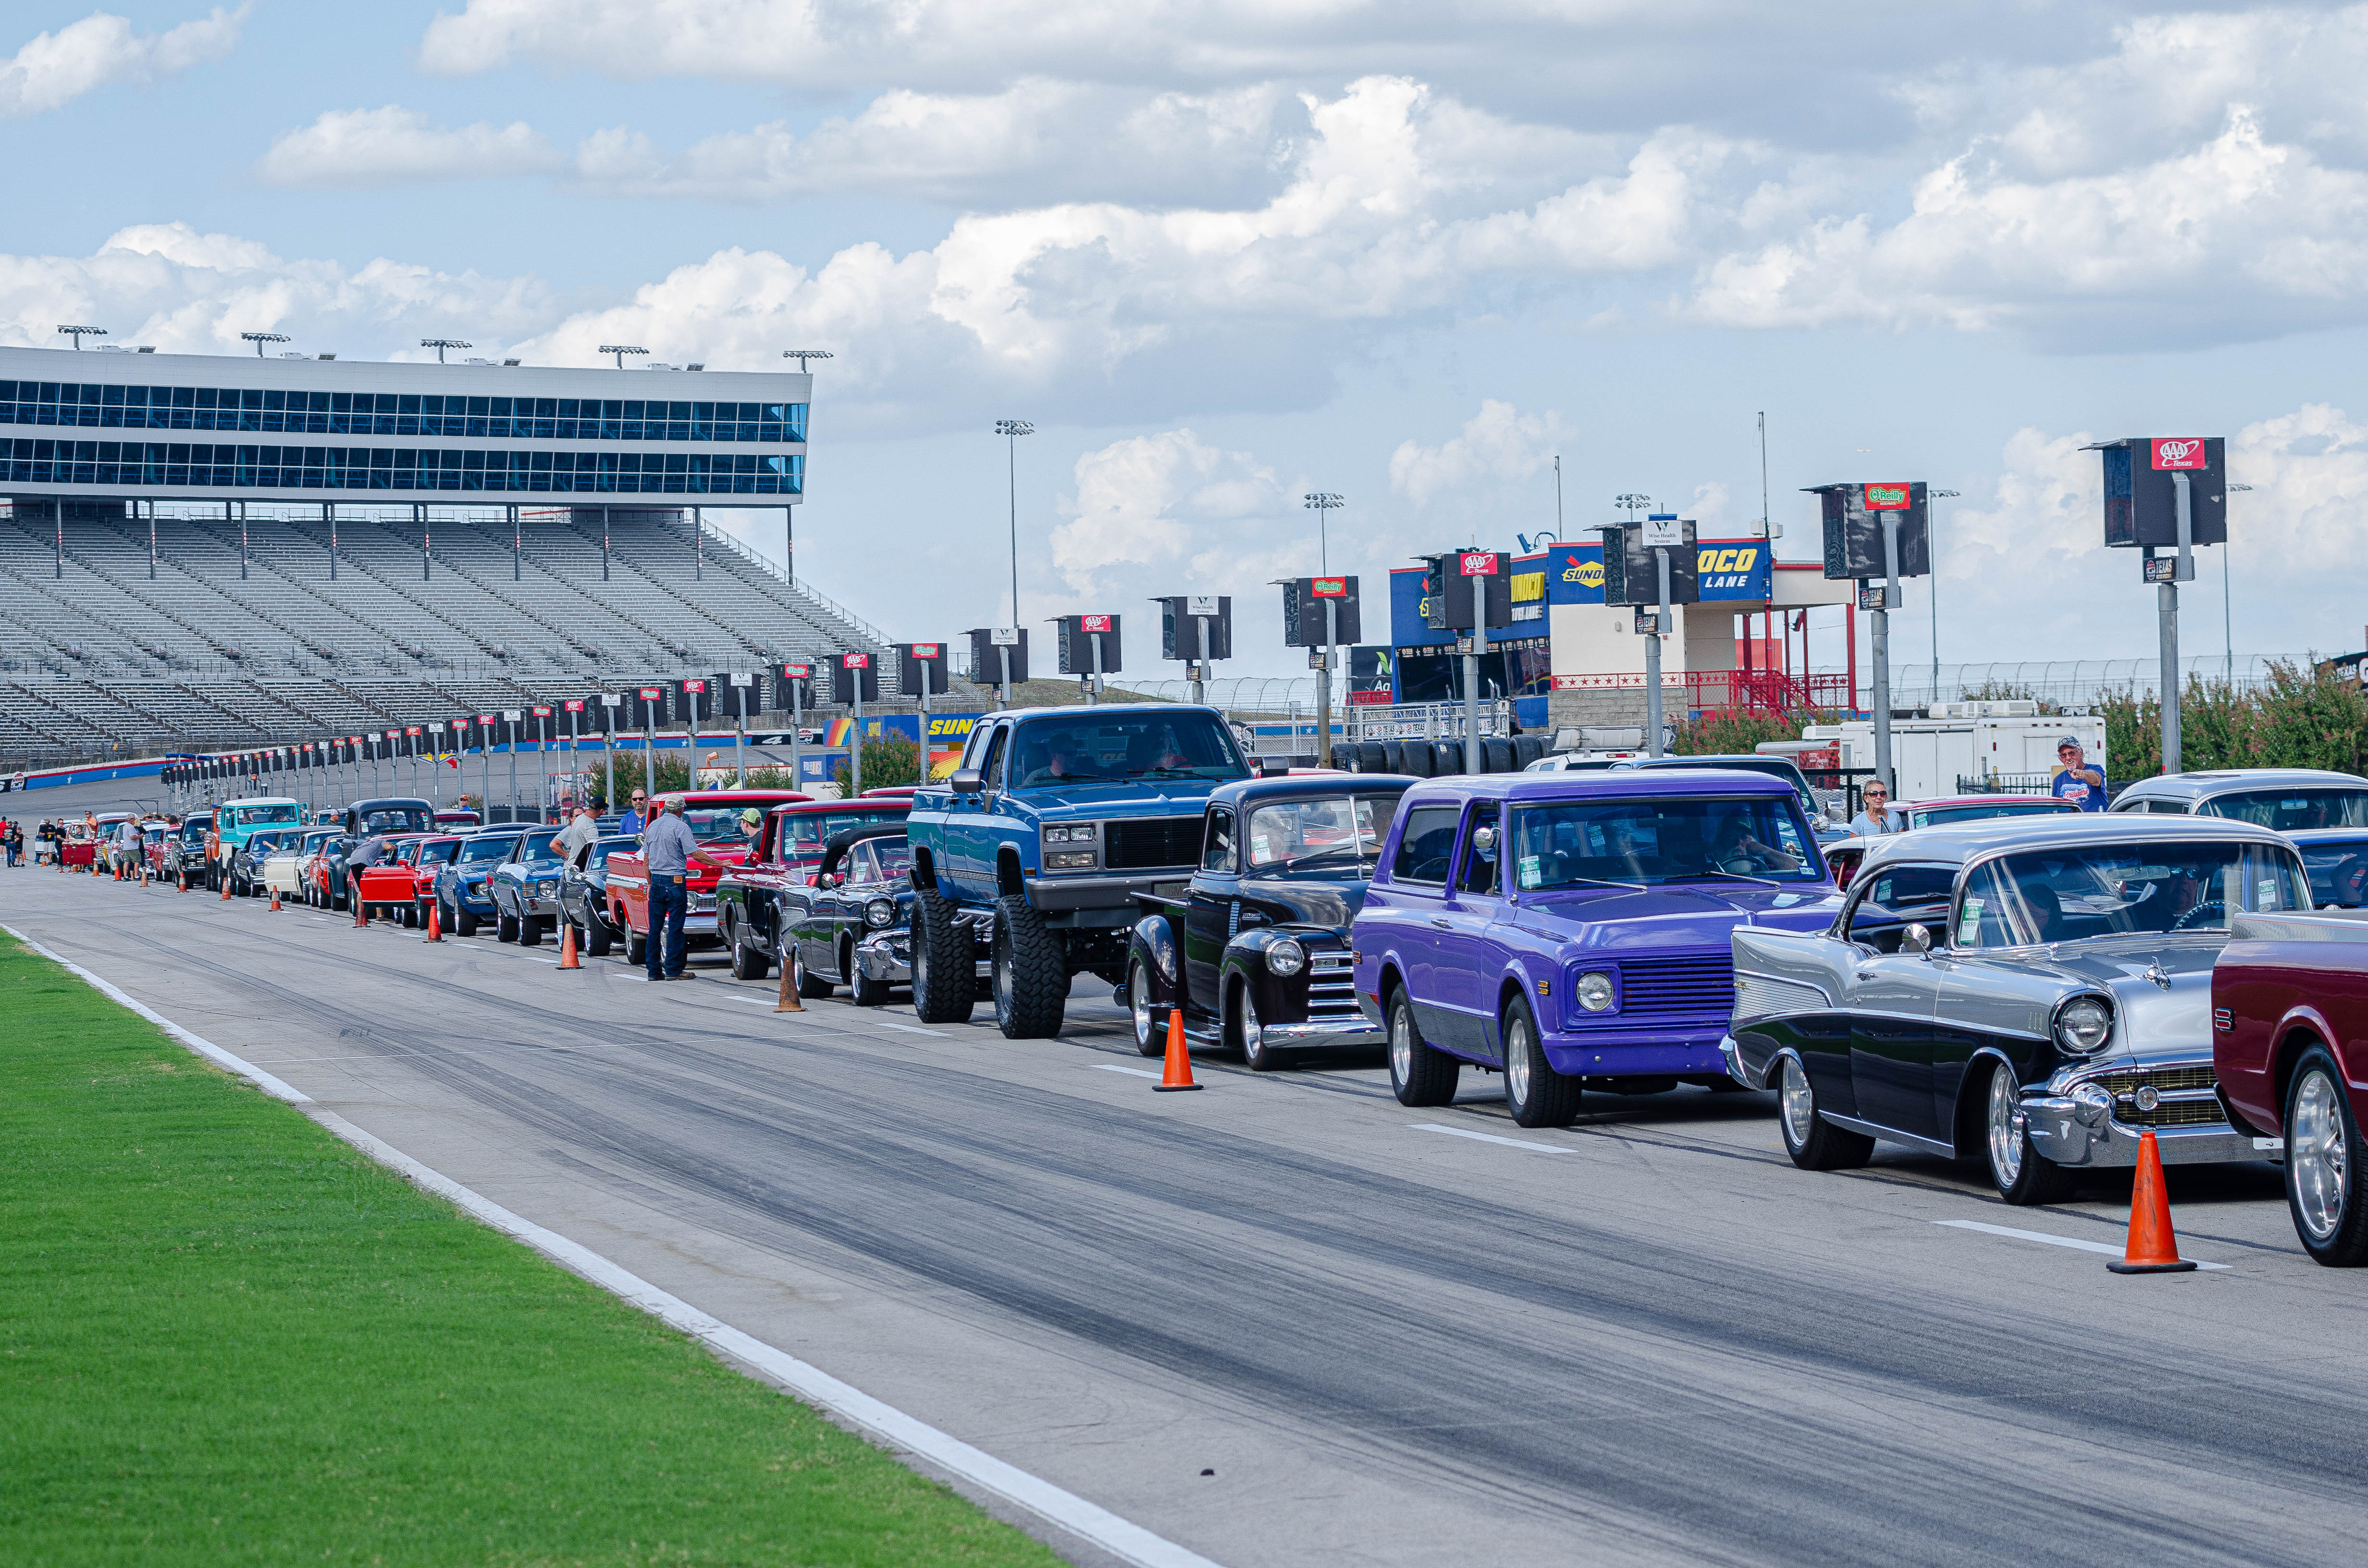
<point x="1039" y="842"/>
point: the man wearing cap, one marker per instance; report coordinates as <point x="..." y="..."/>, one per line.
<point x="578" y="837"/>
<point x="668" y="848"/>
<point x="2075" y="780"/>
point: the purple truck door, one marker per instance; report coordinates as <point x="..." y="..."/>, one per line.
<point x="1470" y="964"/>
<point x="1415" y="915"/>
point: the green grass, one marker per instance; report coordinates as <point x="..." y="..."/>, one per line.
<point x="226" y="1337"/>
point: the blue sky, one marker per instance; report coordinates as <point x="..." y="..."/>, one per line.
<point x="1225" y="253"/>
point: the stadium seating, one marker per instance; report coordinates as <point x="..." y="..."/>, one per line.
<point x="103" y="658"/>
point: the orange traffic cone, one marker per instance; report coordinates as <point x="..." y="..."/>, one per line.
<point x="435" y="921"/>
<point x="2153" y="1246"/>
<point x="275" y="898"/>
<point x="1178" y="1073"/>
<point x="567" y="958"/>
<point x="225" y="882"/>
<point x="789" y="1002"/>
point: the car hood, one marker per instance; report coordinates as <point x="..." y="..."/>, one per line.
<point x="2161" y="988"/>
<point x="1157" y="798"/>
<point x="1687" y="915"/>
<point x="1309" y="901"/>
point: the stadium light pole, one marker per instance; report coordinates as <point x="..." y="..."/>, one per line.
<point x="441" y="344"/>
<point x="2227" y="616"/>
<point x="79" y="333"/>
<point x="802" y="355"/>
<point x="1012" y="430"/>
<point x="620" y="350"/>
<point x="1323" y="503"/>
<point x="260" y="338"/>
<point x="1934" y="588"/>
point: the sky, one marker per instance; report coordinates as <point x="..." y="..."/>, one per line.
<point x="1226" y="255"/>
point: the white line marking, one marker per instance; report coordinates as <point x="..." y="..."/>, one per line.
<point x="2072" y="1242"/>
<point x="1137" y="1072"/>
<point x="908" y="1029"/>
<point x="1491" y="1138"/>
<point x="752" y="1000"/>
<point x="1120" y="1538"/>
<point x="636" y="979"/>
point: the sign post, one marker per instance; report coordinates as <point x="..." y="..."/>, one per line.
<point x="794" y="675"/>
<point x="855" y="676"/>
<point x="510" y="717"/>
<point x="1664" y="531"/>
<point x="542" y="711"/>
<point x="435" y="764"/>
<point x="1202" y="609"/>
<point x="574" y="707"/>
<point x="1477" y="566"/>
<point x="1872" y="531"/>
<point x="2171" y="494"/>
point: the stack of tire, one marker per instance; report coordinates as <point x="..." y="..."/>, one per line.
<point x="1440" y="759"/>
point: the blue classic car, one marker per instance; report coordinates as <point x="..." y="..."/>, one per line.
<point x="1055" y="819"/>
<point x="525" y="889"/>
<point x="1255" y="951"/>
<point x="1603" y="957"/>
<point x="460" y="886"/>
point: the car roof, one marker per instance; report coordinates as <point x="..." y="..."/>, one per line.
<point x="2325" y="835"/>
<point x="1610" y="785"/>
<point x="731" y="797"/>
<point x="2221" y="781"/>
<point x="389" y="800"/>
<point x="1299" y="787"/>
<point x="1952" y="842"/>
<point x="860" y="803"/>
<point x="2049" y="802"/>
<point x="1101" y="710"/>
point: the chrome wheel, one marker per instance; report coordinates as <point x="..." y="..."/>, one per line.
<point x="1253" y="1033"/>
<point x="2320" y="1176"/>
<point x="1796" y="1104"/>
<point x="1402" y="1043"/>
<point x="1517" y="1059"/>
<point x="1138" y="1003"/>
<point x="2005" y="1138"/>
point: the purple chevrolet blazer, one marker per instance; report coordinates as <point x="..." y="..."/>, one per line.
<point x="1570" y="929"/>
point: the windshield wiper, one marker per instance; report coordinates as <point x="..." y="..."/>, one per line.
<point x="1590" y="881"/>
<point x="1739" y="877"/>
<point x="1357" y="855"/>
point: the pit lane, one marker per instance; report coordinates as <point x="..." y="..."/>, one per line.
<point x="1391" y="1345"/>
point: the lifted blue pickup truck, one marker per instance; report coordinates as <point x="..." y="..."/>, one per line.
<point x="1056" y="818"/>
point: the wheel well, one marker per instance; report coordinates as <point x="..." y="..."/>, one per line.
<point x="1389" y="984"/>
<point x="2298" y="1038"/>
<point x="1008" y="878"/>
<point x="925" y="870"/>
<point x="1506" y="994"/>
<point x="1972" y="1130"/>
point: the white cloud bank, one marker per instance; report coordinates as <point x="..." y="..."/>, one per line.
<point x="55" y="68"/>
<point x="368" y="147"/>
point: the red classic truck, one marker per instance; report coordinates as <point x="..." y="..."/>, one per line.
<point x="2290" y="1046"/>
<point x="713" y="818"/>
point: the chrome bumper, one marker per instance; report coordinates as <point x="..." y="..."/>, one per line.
<point x="2082" y="1134"/>
<point x="1734" y="1068"/>
<point x="885" y="955"/>
<point x="1338" y="1031"/>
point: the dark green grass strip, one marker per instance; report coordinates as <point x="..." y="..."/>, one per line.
<point x="226" y="1338"/>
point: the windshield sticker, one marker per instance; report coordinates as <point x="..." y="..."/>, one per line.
<point x="1969" y="924"/>
<point x="2265" y="893"/>
<point x="1530" y="871"/>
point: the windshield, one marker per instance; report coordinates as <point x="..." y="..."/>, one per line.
<point x="538" y="846"/>
<point x="2339" y="870"/>
<point x="1342" y="830"/>
<point x="2104" y="890"/>
<point x="396" y="819"/>
<point x="262" y="842"/>
<point x="1184" y="744"/>
<point x="720" y="826"/>
<point x="598" y="854"/>
<point x="1669" y="838"/>
<point x="807" y="830"/>
<point x="313" y="841"/>
<point x="195" y="832"/>
<point x="2287" y="810"/>
<point x="247" y="816"/>
<point x="439" y="854"/>
<point x="1930" y="817"/>
<point x="492" y="848"/>
<point x="895" y="857"/>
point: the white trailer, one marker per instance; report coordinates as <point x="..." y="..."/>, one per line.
<point x="1966" y="739"/>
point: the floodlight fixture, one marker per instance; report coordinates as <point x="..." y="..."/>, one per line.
<point x="260" y="338"/>
<point x="1632" y="503"/>
<point x="802" y="355"/>
<point x="79" y="333"/>
<point x="620" y="350"/>
<point x="1322" y="502"/>
<point x="441" y="344"/>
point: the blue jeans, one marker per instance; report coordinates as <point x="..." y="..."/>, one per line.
<point x="668" y="899"/>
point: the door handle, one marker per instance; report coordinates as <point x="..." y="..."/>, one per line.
<point x="1442" y="924"/>
<point x="1866" y="974"/>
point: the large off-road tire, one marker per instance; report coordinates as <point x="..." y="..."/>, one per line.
<point x="1031" y="973"/>
<point x="2324" y="1163"/>
<point x="1535" y="1094"/>
<point x="1147" y="1016"/>
<point x="945" y="975"/>
<point x="1814" y="1144"/>
<point x="1420" y="1073"/>
<point x="2024" y="1175"/>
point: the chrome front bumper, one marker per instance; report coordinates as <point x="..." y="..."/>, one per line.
<point x="2077" y="1132"/>
<point x="1334" y="1031"/>
<point x="888" y="955"/>
<point x="1734" y="1068"/>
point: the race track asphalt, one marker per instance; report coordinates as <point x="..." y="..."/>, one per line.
<point x="1645" y="1340"/>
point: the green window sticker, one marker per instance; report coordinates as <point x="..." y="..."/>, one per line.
<point x="1531" y="873"/>
<point x="1969" y="924"/>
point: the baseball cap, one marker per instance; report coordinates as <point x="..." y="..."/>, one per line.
<point x="751" y="817"/>
<point x="2069" y="740"/>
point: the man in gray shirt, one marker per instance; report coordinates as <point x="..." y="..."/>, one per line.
<point x="668" y="847"/>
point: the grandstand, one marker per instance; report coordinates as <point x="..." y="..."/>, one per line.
<point x="235" y="633"/>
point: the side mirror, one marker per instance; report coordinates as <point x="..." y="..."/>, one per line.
<point x="1916" y="939"/>
<point x="1484" y="839"/>
<point x="966" y="781"/>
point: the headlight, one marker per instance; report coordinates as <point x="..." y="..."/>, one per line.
<point x="2083" y="1024"/>
<point x="1596" y="990"/>
<point x="1286" y="957"/>
<point x="879" y="912"/>
<point x="1070" y="860"/>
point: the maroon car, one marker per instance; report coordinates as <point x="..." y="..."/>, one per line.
<point x="2289" y="1043"/>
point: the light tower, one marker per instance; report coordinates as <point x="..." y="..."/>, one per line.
<point x="620" y="350"/>
<point x="260" y="338"/>
<point x="441" y="344"/>
<point x="79" y="333"/>
<point x="802" y="355"/>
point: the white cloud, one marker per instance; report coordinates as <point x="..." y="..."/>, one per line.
<point x="55" y="68"/>
<point x="189" y="292"/>
<point x="1499" y="451"/>
<point x="1157" y="501"/>
<point x="364" y="147"/>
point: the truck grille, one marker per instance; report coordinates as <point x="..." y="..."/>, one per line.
<point x="2188" y="1099"/>
<point x="1145" y="843"/>
<point x="1701" y="984"/>
<point x="1331" y="986"/>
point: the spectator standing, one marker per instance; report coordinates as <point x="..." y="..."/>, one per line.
<point x="1873" y="820"/>
<point x="2075" y="780"/>
<point x="638" y="818"/>
<point x="578" y="837"/>
<point x="370" y="851"/>
<point x="668" y="848"/>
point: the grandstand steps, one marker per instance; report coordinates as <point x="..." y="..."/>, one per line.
<point x="439" y="631"/>
<point x="716" y="599"/>
<point x="71" y="604"/>
<point x="577" y="627"/>
<point x="213" y="617"/>
<point x="325" y="621"/>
